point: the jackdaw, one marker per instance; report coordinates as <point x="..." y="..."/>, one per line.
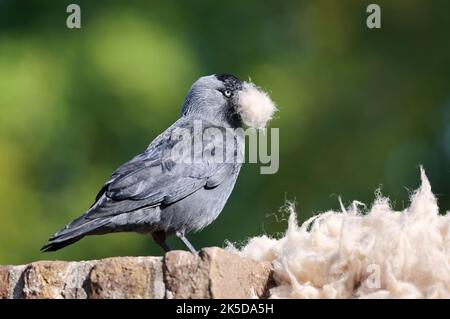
<point x="182" y="181"/>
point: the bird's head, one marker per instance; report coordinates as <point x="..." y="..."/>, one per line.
<point x="224" y="97"/>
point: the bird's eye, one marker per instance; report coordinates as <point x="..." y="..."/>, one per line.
<point x="227" y="93"/>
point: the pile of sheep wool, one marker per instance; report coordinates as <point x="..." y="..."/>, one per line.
<point x="380" y="253"/>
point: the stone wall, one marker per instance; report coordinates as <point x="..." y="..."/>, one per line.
<point x="215" y="273"/>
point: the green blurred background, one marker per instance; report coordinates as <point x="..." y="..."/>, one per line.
<point x="359" y="108"/>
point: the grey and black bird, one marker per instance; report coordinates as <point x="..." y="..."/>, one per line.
<point x="182" y="181"/>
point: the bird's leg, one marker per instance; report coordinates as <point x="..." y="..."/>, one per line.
<point x="160" y="238"/>
<point x="180" y="234"/>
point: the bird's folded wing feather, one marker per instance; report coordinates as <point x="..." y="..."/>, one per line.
<point x="154" y="178"/>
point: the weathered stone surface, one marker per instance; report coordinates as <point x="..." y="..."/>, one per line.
<point x="127" y="277"/>
<point x="232" y="276"/>
<point x="77" y="280"/>
<point x="16" y="281"/>
<point x="4" y="282"/>
<point x="217" y="273"/>
<point x="45" y="280"/>
<point x="11" y="281"/>
<point x="185" y="275"/>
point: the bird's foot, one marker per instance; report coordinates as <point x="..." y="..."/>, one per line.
<point x="160" y="238"/>
<point x="186" y="242"/>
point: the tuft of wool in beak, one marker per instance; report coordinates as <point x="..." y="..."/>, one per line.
<point x="255" y="106"/>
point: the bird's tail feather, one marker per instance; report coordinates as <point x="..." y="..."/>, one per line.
<point x="57" y="244"/>
<point x="73" y="233"/>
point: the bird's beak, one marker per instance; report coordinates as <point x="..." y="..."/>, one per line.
<point x="254" y="106"/>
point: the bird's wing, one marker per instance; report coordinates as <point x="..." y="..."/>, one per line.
<point x="166" y="172"/>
